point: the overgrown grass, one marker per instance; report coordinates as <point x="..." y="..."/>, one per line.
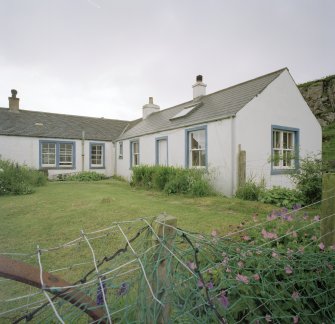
<point x="172" y="180"/>
<point x="57" y="212"/>
<point x="18" y="179"/>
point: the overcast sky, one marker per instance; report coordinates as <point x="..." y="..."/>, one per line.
<point x="104" y="58"/>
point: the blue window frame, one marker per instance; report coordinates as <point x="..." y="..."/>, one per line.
<point x="196" y="147"/>
<point x="284" y="149"/>
<point x="97" y="155"/>
<point x="162" y="153"/>
<point x="134" y="153"/>
<point x="57" y="154"/>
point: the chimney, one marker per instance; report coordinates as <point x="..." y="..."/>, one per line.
<point x="199" y="88"/>
<point x="14" y="102"/>
<point x="150" y="108"/>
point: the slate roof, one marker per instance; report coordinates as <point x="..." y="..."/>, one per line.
<point x="214" y="106"/>
<point x="42" y="124"/>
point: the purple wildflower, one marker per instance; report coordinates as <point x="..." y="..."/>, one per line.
<point x="242" y="278"/>
<point x="295" y="319"/>
<point x="288" y="270"/>
<point x="316" y="218"/>
<point x="210" y="285"/>
<point x="223" y="299"/>
<point x="101" y="292"/>
<point x="256" y="276"/>
<point x="321" y="246"/>
<point x="123" y="289"/>
<point x="192" y="265"/>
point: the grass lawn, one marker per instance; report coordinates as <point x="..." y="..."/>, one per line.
<point x="57" y="212"/>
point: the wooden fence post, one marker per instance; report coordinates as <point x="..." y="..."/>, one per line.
<point x="241" y="171"/>
<point x="328" y="209"/>
<point x="161" y="279"/>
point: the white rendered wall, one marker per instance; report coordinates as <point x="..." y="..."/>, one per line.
<point x="25" y="150"/>
<point x="219" y="152"/>
<point x="279" y="104"/>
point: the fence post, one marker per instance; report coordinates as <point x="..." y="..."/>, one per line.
<point x="161" y="280"/>
<point x="328" y="209"/>
<point x="241" y="171"/>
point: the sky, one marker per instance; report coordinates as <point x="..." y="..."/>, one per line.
<point x="104" y="58"/>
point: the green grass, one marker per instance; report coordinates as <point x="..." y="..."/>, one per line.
<point x="57" y="212"/>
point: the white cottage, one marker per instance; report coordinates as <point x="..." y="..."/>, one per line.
<point x="267" y="117"/>
<point x="57" y="143"/>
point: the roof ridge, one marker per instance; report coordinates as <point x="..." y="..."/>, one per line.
<point x="215" y="92"/>
<point x="77" y="116"/>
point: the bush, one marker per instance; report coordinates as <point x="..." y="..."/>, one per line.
<point x="281" y="197"/>
<point x="172" y="180"/>
<point x="19" y="180"/>
<point x="249" y="191"/>
<point x="85" y="176"/>
<point x="308" y="179"/>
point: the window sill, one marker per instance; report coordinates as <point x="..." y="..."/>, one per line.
<point x="283" y="171"/>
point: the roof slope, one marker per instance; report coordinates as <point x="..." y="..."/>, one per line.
<point x="217" y="105"/>
<point x="42" y="124"/>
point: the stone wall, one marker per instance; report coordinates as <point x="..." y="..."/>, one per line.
<point x="320" y="97"/>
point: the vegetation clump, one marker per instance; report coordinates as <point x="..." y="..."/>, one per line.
<point x="18" y="179"/>
<point x="171" y="180"/>
<point x="84" y="176"/>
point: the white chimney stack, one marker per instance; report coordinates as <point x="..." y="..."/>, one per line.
<point x="199" y="88"/>
<point x="150" y="108"/>
<point x="14" y="102"/>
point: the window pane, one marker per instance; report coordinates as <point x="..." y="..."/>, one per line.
<point x="276" y="157"/>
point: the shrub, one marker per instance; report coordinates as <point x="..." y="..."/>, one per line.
<point x="85" y="176"/>
<point x="281" y="197"/>
<point x="308" y="179"/>
<point x="172" y="180"/>
<point x="249" y="191"/>
<point x="19" y="180"/>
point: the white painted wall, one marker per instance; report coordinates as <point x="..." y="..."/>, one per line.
<point x="25" y="150"/>
<point x="218" y="152"/>
<point x="279" y="104"/>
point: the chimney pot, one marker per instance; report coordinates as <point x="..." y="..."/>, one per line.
<point x="151" y="100"/>
<point x="199" y="78"/>
<point x="14" y="93"/>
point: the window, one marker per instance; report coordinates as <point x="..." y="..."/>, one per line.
<point x="120" y="150"/>
<point x="97" y="155"/>
<point x="285" y="149"/>
<point x="184" y="112"/>
<point x="196" y="155"/>
<point x="57" y="154"/>
<point x="162" y="151"/>
<point x="134" y="153"/>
